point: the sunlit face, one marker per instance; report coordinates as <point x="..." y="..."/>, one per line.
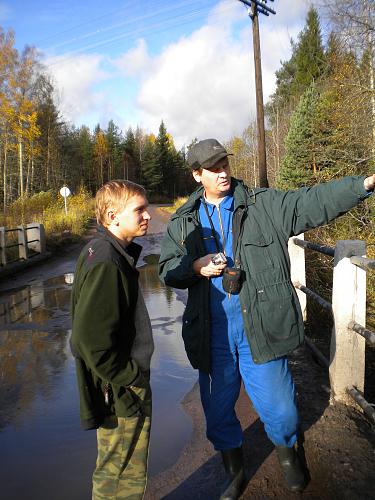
<point x="132" y="221"/>
<point x="216" y="180"/>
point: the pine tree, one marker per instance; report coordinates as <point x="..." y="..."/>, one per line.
<point x="151" y="176"/>
<point x="306" y="64"/>
<point x="113" y="138"/>
<point x="298" y="166"/>
<point x="309" y="55"/>
<point x="164" y="159"/>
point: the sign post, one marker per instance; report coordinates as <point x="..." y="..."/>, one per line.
<point x="65" y="192"/>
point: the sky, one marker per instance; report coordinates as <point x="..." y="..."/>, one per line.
<point x="186" y="62"/>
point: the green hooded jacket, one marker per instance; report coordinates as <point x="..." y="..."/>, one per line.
<point x="263" y="222"/>
<point x="104" y="298"/>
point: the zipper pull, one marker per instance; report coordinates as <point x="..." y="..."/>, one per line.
<point x="106" y="394"/>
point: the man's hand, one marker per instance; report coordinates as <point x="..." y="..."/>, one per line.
<point x="369" y="183"/>
<point x="205" y="267"/>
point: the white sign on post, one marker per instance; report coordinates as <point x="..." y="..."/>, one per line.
<point x="65" y="192"/>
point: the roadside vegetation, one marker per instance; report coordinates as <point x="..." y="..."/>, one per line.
<point x="178" y="202"/>
<point x="47" y="208"/>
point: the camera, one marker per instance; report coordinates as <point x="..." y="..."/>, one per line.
<point x="219" y="258"/>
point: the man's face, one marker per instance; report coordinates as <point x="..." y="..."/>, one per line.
<point x="216" y="180"/>
<point x="133" y="220"/>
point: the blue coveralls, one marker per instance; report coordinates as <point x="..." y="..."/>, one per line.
<point x="269" y="385"/>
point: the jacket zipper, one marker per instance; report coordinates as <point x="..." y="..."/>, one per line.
<point x="222" y="236"/>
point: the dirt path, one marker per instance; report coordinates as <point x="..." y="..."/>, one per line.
<point x="338" y="448"/>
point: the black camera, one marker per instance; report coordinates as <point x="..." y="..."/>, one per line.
<point x="219" y="258"/>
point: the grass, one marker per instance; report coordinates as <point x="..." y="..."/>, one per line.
<point x="48" y="209"/>
<point x="177" y="204"/>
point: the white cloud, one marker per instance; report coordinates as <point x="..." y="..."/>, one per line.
<point x="76" y="77"/>
<point x="135" y="61"/>
<point x="203" y="85"/>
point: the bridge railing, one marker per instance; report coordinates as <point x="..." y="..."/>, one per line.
<point x="21" y="243"/>
<point x="348" y="308"/>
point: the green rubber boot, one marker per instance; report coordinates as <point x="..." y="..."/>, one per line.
<point x="291" y="467"/>
<point x="233" y="464"/>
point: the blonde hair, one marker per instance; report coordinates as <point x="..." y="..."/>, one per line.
<point x="115" y="194"/>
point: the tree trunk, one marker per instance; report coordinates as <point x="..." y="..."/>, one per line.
<point x="20" y="164"/>
<point x="27" y="188"/>
<point x="5" y="174"/>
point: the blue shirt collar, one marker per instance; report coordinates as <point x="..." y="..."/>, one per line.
<point x="226" y="203"/>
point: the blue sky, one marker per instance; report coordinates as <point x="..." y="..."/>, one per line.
<point x="189" y="63"/>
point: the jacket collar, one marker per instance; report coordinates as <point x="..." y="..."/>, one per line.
<point x="243" y="197"/>
<point x="131" y="252"/>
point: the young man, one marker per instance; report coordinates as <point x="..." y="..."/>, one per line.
<point x="112" y="343"/>
<point x="242" y="315"/>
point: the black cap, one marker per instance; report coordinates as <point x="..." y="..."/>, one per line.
<point x="206" y="154"/>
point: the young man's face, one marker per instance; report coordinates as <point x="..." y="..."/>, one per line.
<point x="132" y="221"/>
<point x="216" y="180"/>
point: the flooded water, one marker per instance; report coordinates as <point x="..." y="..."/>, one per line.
<point x="44" y="455"/>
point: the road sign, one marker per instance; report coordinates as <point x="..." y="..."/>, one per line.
<point x="65" y="192"/>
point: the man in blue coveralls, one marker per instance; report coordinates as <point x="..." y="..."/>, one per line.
<point x="228" y="245"/>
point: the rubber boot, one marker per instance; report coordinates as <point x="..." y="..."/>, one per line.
<point x="291" y="467"/>
<point x="234" y="468"/>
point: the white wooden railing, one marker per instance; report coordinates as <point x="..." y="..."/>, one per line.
<point x="349" y="335"/>
<point x="30" y="240"/>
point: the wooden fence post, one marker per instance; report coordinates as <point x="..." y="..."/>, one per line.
<point x="297" y="270"/>
<point x="22" y="242"/>
<point x="347" y="360"/>
<point x="3" y="246"/>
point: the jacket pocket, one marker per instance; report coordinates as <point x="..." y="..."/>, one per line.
<point x="279" y="311"/>
<point x="257" y="252"/>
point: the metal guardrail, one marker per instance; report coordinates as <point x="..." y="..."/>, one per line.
<point x="361" y="330"/>
<point x="366" y="407"/>
<point x="364" y="264"/>
<point x="314" y="246"/>
<point x="310" y="293"/>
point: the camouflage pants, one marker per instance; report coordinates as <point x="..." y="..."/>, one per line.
<point x="121" y="466"/>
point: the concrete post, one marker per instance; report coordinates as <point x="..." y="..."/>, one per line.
<point x="36" y="237"/>
<point x="347" y="360"/>
<point x="22" y="242"/>
<point x="3" y="255"/>
<point x="297" y="269"/>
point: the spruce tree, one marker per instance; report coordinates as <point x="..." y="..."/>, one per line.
<point x="151" y="177"/>
<point x="165" y="159"/>
<point x="309" y="55"/>
<point x="298" y="165"/>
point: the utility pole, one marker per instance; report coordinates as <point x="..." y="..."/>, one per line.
<point x="254" y="8"/>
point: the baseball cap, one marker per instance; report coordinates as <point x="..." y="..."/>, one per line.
<point x="206" y="154"/>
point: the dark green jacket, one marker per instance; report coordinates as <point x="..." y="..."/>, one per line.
<point x="263" y="221"/>
<point x="104" y="298"/>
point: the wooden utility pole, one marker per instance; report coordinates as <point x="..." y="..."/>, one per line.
<point x="255" y="7"/>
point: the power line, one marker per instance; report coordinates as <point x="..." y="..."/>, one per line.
<point x="142" y="17"/>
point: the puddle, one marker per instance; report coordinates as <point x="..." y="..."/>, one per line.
<point x="39" y="421"/>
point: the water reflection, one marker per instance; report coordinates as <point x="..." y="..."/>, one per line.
<point x="39" y="422"/>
